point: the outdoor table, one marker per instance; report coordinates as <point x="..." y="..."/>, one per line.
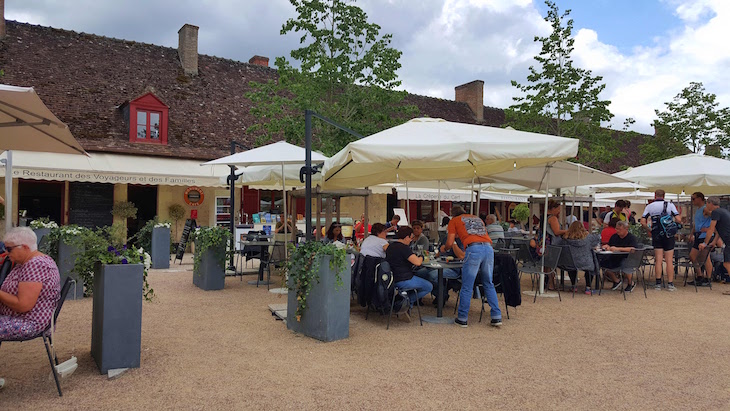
<point x="261" y="244"/>
<point x="440" y="265"/>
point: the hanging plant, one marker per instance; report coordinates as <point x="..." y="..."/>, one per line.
<point x="215" y="238"/>
<point x="303" y="268"/>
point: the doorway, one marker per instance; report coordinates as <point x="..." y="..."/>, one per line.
<point x="145" y="199"/>
<point x="41" y="199"/>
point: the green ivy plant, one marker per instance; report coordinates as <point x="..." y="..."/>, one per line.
<point x="303" y="268"/>
<point x="640" y="233"/>
<point x="215" y="238"/>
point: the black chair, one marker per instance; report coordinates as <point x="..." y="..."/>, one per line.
<point x="404" y="292"/>
<point x="701" y="259"/>
<point x="566" y="263"/>
<point x="551" y="257"/>
<point x="632" y="265"/>
<point x="525" y="260"/>
<point x="47" y="335"/>
<point x="277" y="258"/>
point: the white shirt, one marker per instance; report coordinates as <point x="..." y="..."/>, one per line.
<point x="373" y="246"/>
<point x="656" y="208"/>
<point x="570" y="219"/>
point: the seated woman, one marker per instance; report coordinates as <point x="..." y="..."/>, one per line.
<point x="609" y="230"/>
<point x="375" y="244"/>
<point x="402" y="260"/>
<point x="334" y="233"/>
<point x="581" y="246"/>
<point x="280" y="227"/>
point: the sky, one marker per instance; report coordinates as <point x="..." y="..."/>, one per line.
<point x="647" y="51"/>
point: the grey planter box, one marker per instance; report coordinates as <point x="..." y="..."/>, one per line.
<point x="327" y="316"/>
<point x="116" y="317"/>
<point x="40" y="232"/>
<point x="66" y="260"/>
<point x="160" y="251"/>
<point x="211" y="275"/>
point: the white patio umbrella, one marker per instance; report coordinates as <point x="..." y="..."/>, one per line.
<point x="687" y="173"/>
<point x="428" y="149"/>
<point x="280" y="153"/>
<point x="28" y="125"/>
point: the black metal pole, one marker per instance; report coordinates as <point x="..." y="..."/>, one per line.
<point x="232" y="202"/>
<point x="308" y="178"/>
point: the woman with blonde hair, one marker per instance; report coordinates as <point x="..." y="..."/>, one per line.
<point x="581" y="245"/>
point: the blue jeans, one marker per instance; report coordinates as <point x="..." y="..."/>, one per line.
<point x="451" y="273"/>
<point x="479" y="259"/>
<point x="423" y="287"/>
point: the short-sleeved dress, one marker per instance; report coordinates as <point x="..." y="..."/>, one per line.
<point x="40" y="269"/>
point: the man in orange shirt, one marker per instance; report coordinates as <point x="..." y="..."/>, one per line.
<point x="479" y="257"/>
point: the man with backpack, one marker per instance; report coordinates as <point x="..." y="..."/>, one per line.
<point x="720" y="223"/>
<point x="479" y="258"/>
<point x="665" y="222"/>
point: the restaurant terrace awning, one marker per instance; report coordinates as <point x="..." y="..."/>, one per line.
<point x="115" y="169"/>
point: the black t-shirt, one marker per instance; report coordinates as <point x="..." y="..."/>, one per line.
<point x="397" y="255"/>
<point x="722" y="226"/>
<point x="616" y="241"/>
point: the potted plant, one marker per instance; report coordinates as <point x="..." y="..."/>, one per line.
<point x="209" y="260"/>
<point x="155" y="236"/>
<point x="177" y="213"/>
<point x="124" y="210"/>
<point x="42" y="227"/>
<point x="640" y="233"/>
<point x="318" y="304"/>
<point x="64" y="245"/>
<point x="120" y="283"/>
<point x="521" y="213"/>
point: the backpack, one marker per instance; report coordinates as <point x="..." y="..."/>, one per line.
<point x="384" y="289"/>
<point x="667" y="225"/>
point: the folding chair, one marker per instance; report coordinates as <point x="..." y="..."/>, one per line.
<point x="47" y="335"/>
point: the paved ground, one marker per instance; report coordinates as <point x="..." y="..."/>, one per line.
<point x="223" y="350"/>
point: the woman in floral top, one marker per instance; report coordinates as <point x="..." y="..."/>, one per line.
<point x="29" y="294"/>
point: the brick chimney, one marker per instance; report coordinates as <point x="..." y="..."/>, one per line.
<point x="256" y="60"/>
<point x="187" y="49"/>
<point x="473" y="95"/>
<point x="2" y="19"/>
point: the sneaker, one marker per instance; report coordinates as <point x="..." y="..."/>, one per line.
<point x="496" y="322"/>
<point x="698" y="281"/>
<point x="617" y="285"/>
<point x="588" y="291"/>
<point x="705" y="282"/>
<point x="671" y="287"/>
<point x="630" y="288"/>
<point x="658" y="287"/>
<point x="460" y="323"/>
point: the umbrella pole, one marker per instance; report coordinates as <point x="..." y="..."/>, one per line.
<point x="284" y="221"/>
<point x="8" y="190"/>
<point x="544" y="233"/>
<point x="471" y="198"/>
<point x="408" y="204"/>
<point x="438" y="205"/>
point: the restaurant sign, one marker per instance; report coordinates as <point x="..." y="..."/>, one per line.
<point x="113" y="178"/>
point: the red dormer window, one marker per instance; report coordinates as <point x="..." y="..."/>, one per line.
<point x="148" y="120"/>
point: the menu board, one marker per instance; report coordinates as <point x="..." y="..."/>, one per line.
<point x="189" y="225"/>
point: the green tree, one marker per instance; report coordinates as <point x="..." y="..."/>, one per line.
<point x="694" y="121"/>
<point x="562" y="99"/>
<point x="347" y="72"/>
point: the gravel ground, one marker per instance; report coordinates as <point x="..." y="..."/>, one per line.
<point x="224" y="350"/>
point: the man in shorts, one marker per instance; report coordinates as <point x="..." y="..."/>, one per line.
<point x="663" y="246"/>
<point x="720" y="223"/>
<point x="700" y="225"/>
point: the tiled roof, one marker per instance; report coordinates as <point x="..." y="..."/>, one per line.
<point x="86" y="79"/>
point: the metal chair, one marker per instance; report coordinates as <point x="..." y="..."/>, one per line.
<point x="404" y="292"/>
<point x="701" y="259"/>
<point x="47" y="335"/>
<point x="566" y="263"/>
<point x="524" y="259"/>
<point x="551" y="258"/>
<point x="632" y="265"/>
<point x="277" y="257"/>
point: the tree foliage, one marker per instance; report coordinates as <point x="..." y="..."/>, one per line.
<point x="562" y="99"/>
<point x="694" y="121"/>
<point x="347" y="72"/>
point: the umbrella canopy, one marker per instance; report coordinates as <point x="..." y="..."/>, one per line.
<point x="688" y="173"/>
<point x="269" y="177"/>
<point x="278" y="153"/>
<point x="28" y="125"/>
<point x="563" y="175"/>
<point x="426" y="149"/>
